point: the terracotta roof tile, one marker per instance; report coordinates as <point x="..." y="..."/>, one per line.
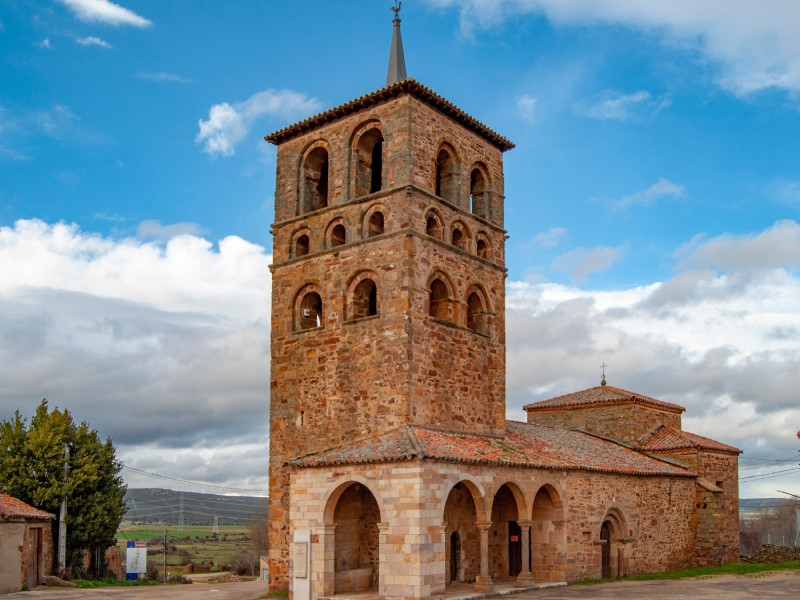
<point x="670" y="438"/>
<point x="406" y="86"/>
<point x="600" y="395"/>
<point x="11" y="508"/>
<point x="525" y="445"/>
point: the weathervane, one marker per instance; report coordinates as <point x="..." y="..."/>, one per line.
<point x="398" y="4"/>
<point x="603" y="380"/>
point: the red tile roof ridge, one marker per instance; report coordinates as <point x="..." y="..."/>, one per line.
<point x="666" y="438"/>
<point x="13" y="508"/>
<point x="605" y="395"/>
<point x="405" y="86"/>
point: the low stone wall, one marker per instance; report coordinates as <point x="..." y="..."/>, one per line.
<point x="773" y="554"/>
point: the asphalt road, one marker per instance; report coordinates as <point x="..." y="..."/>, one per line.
<point x="781" y="584"/>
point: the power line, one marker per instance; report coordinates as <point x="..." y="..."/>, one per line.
<point x="768" y="475"/>
<point x="195" y="483"/>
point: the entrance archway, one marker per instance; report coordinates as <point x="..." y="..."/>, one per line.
<point x="613" y="561"/>
<point x="547" y="536"/>
<point x="355" y="545"/>
<point x="505" y="536"/>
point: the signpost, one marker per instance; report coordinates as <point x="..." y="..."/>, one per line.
<point x="136" y="560"/>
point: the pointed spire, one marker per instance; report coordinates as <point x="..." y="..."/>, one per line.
<point x="397" y="62"/>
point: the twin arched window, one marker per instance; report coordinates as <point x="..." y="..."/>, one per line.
<point x="441" y="305"/>
<point x="362" y="302"/>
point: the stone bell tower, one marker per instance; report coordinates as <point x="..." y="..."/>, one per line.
<point x="388" y="278"/>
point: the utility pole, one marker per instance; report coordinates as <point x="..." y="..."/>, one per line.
<point x="165" y="556"/>
<point x="796" y="514"/>
<point x="62" y="519"/>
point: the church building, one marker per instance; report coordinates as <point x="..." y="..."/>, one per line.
<point x="392" y="465"/>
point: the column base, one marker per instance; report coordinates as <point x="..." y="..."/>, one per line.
<point x="525" y="579"/>
<point x="483" y="585"/>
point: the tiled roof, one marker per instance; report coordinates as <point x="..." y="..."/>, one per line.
<point x="11" y="508"/>
<point x="406" y="86"/>
<point x="600" y="395"/>
<point x="670" y="438"/>
<point x="523" y="445"/>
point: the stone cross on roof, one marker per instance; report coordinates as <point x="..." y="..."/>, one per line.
<point x="397" y="62"/>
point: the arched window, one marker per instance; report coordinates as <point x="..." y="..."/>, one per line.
<point x="477" y="316"/>
<point x="301" y="245"/>
<point x="315" y="180"/>
<point x="310" y="311"/>
<point x="338" y="235"/>
<point x="375" y="224"/>
<point x="369" y="163"/>
<point x="365" y="300"/>
<point x="478" y="194"/>
<point x="439" y="300"/>
<point x="460" y="236"/>
<point x="482" y="248"/>
<point x="446" y="180"/>
<point x="433" y="225"/>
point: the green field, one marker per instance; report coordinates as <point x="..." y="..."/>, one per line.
<point x="194" y="549"/>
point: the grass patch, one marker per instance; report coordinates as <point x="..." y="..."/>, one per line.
<point x="110" y="581"/>
<point x="732" y="568"/>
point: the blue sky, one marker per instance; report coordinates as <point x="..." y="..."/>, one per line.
<point x="652" y="204"/>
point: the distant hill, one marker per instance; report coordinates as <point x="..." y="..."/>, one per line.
<point x="157" y="505"/>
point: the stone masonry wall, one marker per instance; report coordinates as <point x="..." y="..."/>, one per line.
<point x="411" y="496"/>
<point x="626" y="423"/>
<point x="349" y="377"/>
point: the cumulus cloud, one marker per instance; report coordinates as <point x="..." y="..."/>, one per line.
<point x="581" y="262"/>
<point x="173" y="335"/>
<point x="617" y="106"/>
<point x="153" y="230"/>
<point x="723" y="345"/>
<point x="91" y="40"/>
<point x="778" y="246"/>
<point x="228" y="124"/>
<point x="103" y="11"/>
<point x="661" y="189"/>
<point x="751" y="46"/>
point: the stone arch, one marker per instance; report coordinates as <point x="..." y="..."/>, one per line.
<point x="612" y="535"/>
<point x="479" y="311"/>
<point x="367" y="161"/>
<point x="479" y="195"/>
<point x="434" y="225"/>
<point x="440" y="296"/>
<point x="446" y="173"/>
<point x="460" y="236"/>
<point x="482" y="245"/>
<point x="307" y="309"/>
<point x="462" y="508"/>
<point x="362" y="296"/>
<point x="301" y="243"/>
<point x="505" y="535"/>
<point x="352" y="516"/>
<point x="314" y="184"/>
<point x="547" y="535"/>
<point x="336" y="233"/>
<point x="374" y="221"/>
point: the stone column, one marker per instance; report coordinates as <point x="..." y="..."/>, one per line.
<point x="328" y="571"/>
<point x="483" y="582"/>
<point x="525" y="577"/>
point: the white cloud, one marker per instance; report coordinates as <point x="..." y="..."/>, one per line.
<point x="722" y="344"/>
<point x="163" y="77"/>
<point x="661" y="189"/>
<point x="91" y="40"/>
<point x="103" y="11"/>
<point x="752" y="46"/>
<point x="581" y="262"/>
<point x="526" y="105"/>
<point x="617" y="106"/>
<point x="778" y="246"/>
<point x="173" y="335"/>
<point x="227" y="124"/>
<point x="45" y="44"/>
<point x="550" y="238"/>
<point x="153" y="230"/>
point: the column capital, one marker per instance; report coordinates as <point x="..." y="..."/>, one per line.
<point x="483" y="525"/>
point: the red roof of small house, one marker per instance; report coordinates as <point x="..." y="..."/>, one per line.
<point x="666" y="438"/>
<point x="602" y="395"/>
<point x="11" y="508"/>
<point x="406" y="86"/>
<point x="523" y="445"/>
